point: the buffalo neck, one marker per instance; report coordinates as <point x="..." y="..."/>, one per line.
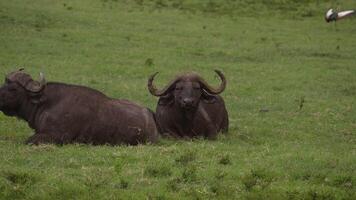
<point x="187" y="116"/>
<point x="28" y="112"/>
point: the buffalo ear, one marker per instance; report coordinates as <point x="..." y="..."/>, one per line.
<point x="208" y="98"/>
<point x="166" y="100"/>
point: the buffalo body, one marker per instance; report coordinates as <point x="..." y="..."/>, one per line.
<point x="61" y="113"/>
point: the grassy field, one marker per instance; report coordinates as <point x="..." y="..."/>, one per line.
<point x="291" y="97"/>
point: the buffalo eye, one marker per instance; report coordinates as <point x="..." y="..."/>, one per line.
<point x="178" y="88"/>
<point x="196" y="88"/>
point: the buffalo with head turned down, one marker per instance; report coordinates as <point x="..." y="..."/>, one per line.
<point x="61" y="113"/>
<point x="189" y="107"/>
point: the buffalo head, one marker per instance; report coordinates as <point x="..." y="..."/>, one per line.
<point x="187" y="90"/>
<point x="19" y="87"/>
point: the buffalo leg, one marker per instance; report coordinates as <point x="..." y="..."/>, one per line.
<point x="211" y="132"/>
<point x="225" y="126"/>
<point x="171" y="134"/>
<point x="37" y="139"/>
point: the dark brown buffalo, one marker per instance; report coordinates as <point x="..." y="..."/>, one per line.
<point x="61" y="113"/>
<point x="189" y="107"/>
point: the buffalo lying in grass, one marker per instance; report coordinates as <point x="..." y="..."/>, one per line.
<point x="61" y="113"/>
<point x="189" y="107"/>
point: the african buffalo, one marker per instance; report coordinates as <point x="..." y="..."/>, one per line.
<point x="189" y="107"/>
<point x="62" y="113"/>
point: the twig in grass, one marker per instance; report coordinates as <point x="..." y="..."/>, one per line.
<point x="301" y="102"/>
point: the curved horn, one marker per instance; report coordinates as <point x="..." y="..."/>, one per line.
<point x="212" y="90"/>
<point x="154" y="91"/>
<point x="37" y="86"/>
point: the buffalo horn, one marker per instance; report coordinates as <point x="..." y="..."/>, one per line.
<point x="212" y="90"/>
<point x="154" y="91"/>
<point x="37" y="86"/>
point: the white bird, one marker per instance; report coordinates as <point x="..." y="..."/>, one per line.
<point x="333" y="16"/>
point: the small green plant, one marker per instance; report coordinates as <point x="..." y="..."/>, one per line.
<point x="174" y="184"/>
<point x="120" y="164"/>
<point x="189" y="174"/>
<point x="123" y="184"/>
<point x="186" y="157"/>
<point x="220" y="174"/>
<point x="257" y="179"/>
<point x="19" y="177"/>
<point x="225" y="159"/>
<point x="149" y="62"/>
<point x="158" y="170"/>
<point x="220" y="188"/>
<point x="344" y="181"/>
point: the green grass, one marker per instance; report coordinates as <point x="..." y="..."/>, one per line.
<point x="276" y="55"/>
